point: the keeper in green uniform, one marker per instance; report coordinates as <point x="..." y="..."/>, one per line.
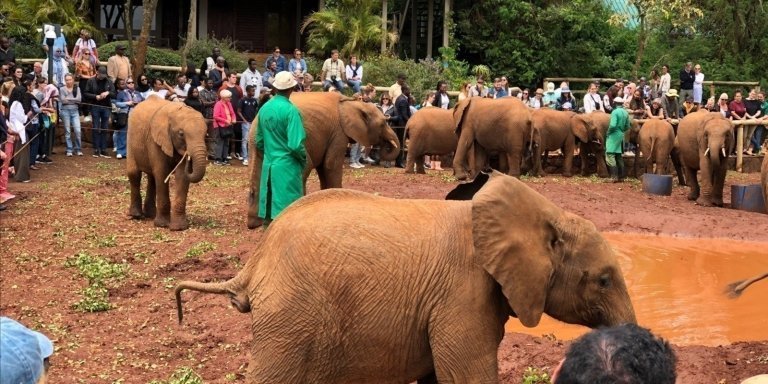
<point x="280" y="137"/>
<point x="614" y="141"/>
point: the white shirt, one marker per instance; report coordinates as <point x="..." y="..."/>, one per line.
<point x="350" y="75"/>
<point x="699" y="80"/>
<point x="534" y="103"/>
<point x="665" y="83"/>
<point x="332" y="68"/>
<point x="182" y="91"/>
<point x="161" y="93"/>
<point x="17" y="120"/>
<point x="249" y="77"/>
<point x="590" y="99"/>
<point x="444" y="100"/>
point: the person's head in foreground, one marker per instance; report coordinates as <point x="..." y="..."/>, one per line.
<point x="626" y="354"/>
<point x="23" y="354"/>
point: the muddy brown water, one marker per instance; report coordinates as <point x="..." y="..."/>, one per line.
<point x="676" y="286"/>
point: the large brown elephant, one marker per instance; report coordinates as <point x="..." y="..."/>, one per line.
<point x="598" y="126"/>
<point x="656" y="139"/>
<point x="764" y="180"/>
<point x="162" y="134"/>
<point x="488" y="126"/>
<point x="553" y="130"/>
<point x="430" y="132"/>
<point x="703" y="139"/>
<point x="333" y="299"/>
<point x="330" y="121"/>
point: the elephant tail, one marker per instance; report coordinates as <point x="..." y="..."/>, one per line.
<point x="649" y="155"/>
<point x="735" y="289"/>
<point x="233" y="288"/>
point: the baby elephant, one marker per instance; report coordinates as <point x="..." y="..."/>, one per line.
<point x="657" y="141"/>
<point x="334" y="300"/>
<point x="431" y="133"/>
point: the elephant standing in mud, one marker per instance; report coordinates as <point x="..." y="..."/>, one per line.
<point x="598" y="127"/>
<point x="488" y="126"/>
<point x="703" y="139"/>
<point x="330" y="121"/>
<point x="764" y="180"/>
<point x="656" y="141"/>
<point x="430" y="132"/>
<point x="163" y="134"/>
<point x="553" y="130"/>
<point x="333" y="299"/>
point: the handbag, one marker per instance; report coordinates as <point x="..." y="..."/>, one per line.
<point x="121" y="120"/>
<point x="45" y="121"/>
<point x="226" y="132"/>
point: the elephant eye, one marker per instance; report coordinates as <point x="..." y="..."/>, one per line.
<point x="605" y="281"/>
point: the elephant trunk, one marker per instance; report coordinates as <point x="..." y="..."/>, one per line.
<point x="713" y="153"/>
<point x="195" y="168"/>
<point x="389" y="150"/>
<point x="233" y="288"/>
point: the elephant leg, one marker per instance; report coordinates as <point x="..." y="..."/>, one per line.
<point x="150" y="204"/>
<point x="538" y="153"/>
<point x="428" y="379"/>
<point x="675" y="155"/>
<point x="466" y="355"/>
<point x="718" y="183"/>
<point x="584" y="151"/>
<point x="420" y="165"/>
<point x="466" y="142"/>
<point x="706" y="183"/>
<point x="693" y="183"/>
<point x="134" y="178"/>
<point x="480" y="157"/>
<point x="602" y="167"/>
<point x="332" y="174"/>
<point x="568" y="161"/>
<point x="409" y="159"/>
<point x="514" y="158"/>
<point x="179" y="202"/>
<point x="163" y="215"/>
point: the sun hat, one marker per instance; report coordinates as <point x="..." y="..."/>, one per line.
<point x="565" y="89"/>
<point x="23" y="352"/>
<point x="284" y="80"/>
<point x="672" y="93"/>
<point x="723" y="96"/>
<point x="618" y="100"/>
<point x="225" y="94"/>
<point x="550" y="87"/>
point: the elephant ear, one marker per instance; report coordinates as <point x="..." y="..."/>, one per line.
<point x="356" y="121"/>
<point x="514" y="233"/>
<point x="160" y="127"/>
<point x="459" y="114"/>
<point x="580" y="128"/>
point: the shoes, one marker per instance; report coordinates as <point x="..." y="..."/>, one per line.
<point x="238" y="156"/>
<point x="229" y="157"/>
<point x="87" y="119"/>
<point x="369" y="160"/>
<point x="79" y="153"/>
<point x="46" y="160"/>
<point x="119" y="156"/>
<point x="226" y="163"/>
<point x="34" y="167"/>
<point x="218" y="163"/>
<point x="356" y="165"/>
<point x="6" y="196"/>
<point x="114" y="149"/>
<point x="69" y="154"/>
<point x="245" y="162"/>
<point x="2" y="208"/>
<point x="96" y="154"/>
<point x="26" y="181"/>
<point x="104" y="155"/>
<point x="629" y="153"/>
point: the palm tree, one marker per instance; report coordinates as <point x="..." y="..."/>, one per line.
<point x="23" y="17"/>
<point x="351" y="26"/>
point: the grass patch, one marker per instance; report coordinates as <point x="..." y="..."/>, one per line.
<point x="183" y="375"/>
<point x="535" y="376"/>
<point x="200" y="249"/>
<point x="100" y="273"/>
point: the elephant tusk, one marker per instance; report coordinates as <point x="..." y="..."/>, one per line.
<point x="722" y="150"/>
<point x="706" y="153"/>
<point x="394" y="144"/>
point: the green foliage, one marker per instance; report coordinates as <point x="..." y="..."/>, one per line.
<point x="526" y="41"/>
<point x="202" y="48"/>
<point x="22" y="18"/>
<point x="535" y="376"/>
<point x="155" y="56"/>
<point x="422" y="75"/>
<point x="100" y="273"/>
<point x="351" y="26"/>
<point x="454" y="71"/>
<point x="200" y="249"/>
<point x="183" y="375"/>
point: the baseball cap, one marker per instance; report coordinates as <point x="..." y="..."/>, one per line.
<point x="22" y="352"/>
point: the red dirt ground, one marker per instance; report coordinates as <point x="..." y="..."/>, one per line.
<point x="78" y="205"/>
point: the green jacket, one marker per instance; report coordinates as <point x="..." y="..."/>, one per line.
<point x="280" y="137"/>
<point x="619" y="124"/>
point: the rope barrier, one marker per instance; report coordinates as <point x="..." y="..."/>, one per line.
<point x="187" y="157"/>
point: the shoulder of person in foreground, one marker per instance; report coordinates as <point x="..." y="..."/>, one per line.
<point x="26" y="353"/>
<point x="623" y="354"/>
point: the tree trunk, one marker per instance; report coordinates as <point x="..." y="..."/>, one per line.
<point x="642" y="38"/>
<point x="146" y="25"/>
<point x="191" y="34"/>
<point x="128" y="24"/>
<point x="384" y="30"/>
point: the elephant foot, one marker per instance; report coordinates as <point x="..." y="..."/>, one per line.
<point x="135" y="213"/>
<point x="255" y="222"/>
<point x="460" y="175"/>
<point x="162" y="222"/>
<point x="422" y="171"/>
<point x="150" y="212"/>
<point x="693" y="196"/>
<point x="567" y="174"/>
<point x="704" y="202"/>
<point x="717" y="202"/>
<point x="408" y="171"/>
<point x="179" y="224"/>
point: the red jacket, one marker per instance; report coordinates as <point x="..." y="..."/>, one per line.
<point x="220" y="115"/>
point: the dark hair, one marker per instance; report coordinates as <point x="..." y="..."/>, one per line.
<point x="334" y="51"/>
<point x="248" y="88"/>
<point x="401" y="76"/>
<point x="440" y="84"/>
<point x="405" y="87"/>
<point x="17" y="94"/>
<point x="626" y="354"/>
<point x="251" y="60"/>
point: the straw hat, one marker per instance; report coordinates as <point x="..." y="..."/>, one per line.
<point x="284" y="80"/>
<point x="672" y="93"/>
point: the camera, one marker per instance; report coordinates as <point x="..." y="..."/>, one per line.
<point x="333" y="78"/>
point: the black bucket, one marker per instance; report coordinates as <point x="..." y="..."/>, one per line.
<point x="657" y="184"/>
<point x="748" y="198"/>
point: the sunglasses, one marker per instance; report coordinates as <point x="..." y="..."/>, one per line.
<point x="86" y="53"/>
<point x="129" y="82"/>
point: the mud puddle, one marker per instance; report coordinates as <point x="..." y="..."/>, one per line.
<point x="677" y="287"/>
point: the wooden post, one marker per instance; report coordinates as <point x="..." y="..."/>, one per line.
<point x="446" y="23"/>
<point x="384" y="26"/>
<point x="320" y="5"/>
<point x="712" y="92"/>
<point x="430" y="25"/>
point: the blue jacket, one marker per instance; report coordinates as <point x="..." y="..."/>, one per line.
<point x="282" y="65"/>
